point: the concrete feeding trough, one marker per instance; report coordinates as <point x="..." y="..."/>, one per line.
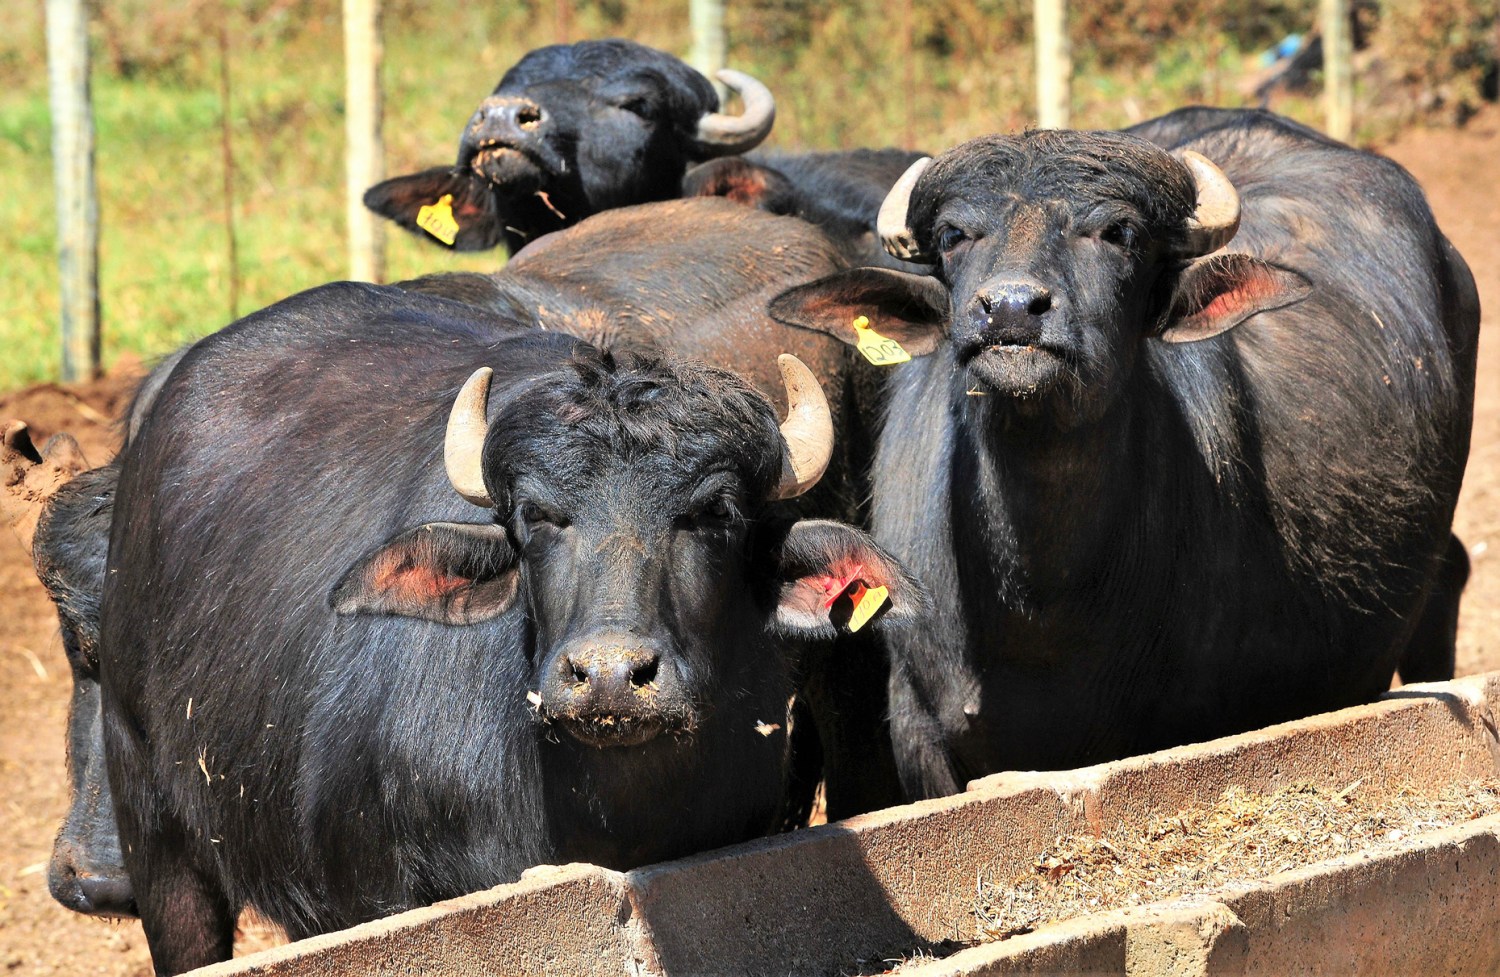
<point x="914" y="887"/>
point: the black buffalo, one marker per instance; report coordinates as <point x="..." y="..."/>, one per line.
<point x="61" y="511"/>
<point x="701" y="291"/>
<point x="1183" y="457"/>
<point x="576" y="129"/>
<point x="339" y="682"/>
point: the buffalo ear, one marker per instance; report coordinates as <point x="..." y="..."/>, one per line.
<point x="451" y="573"/>
<point x="742" y="181"/>
<point x="1216" y="294"/>
<point x="821" y="567"/>
<point x="401" y="199"/>
<point x="911" y="309"/>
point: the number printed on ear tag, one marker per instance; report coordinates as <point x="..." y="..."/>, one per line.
<point x="437" y="219"/>
<point x="867" y="600"/>
<point x="878" y="349"/>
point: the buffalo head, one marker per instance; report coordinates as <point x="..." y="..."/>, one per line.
<point x="572" y="130"/>
<point x="1057" y="254"/>
<point x="635" y="517"/>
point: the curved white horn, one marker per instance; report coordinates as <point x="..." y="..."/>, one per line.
<point x="890" y="223"/>
<point x="463" y="447"/>
<point x="1217" y="217"/>
<point x="725" y="135"/>
<point x="807" y="432"/>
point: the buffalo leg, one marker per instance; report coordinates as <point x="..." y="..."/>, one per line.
<point x="188" y="921"/>
<point x="1429" y="655"/>
<point x="847" y="695"/>
<point x="185" y="913"/>
<point x="921" y="754"/>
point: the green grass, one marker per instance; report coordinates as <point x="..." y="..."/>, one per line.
<point x="165" y="275"/>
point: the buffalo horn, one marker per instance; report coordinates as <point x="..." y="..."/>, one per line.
<point x="807" y="432"/>
<point x="890" y="223"/>
<point x="1218" y="213"/>
<point x="725" y="135"/>
<point x="463" y="447"/>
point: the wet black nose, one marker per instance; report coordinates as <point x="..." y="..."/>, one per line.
<point x="92" y="893"/>
<point x="1009" y="314"/>
<point x="605" y="675"/>
<point x="506" y="119"/>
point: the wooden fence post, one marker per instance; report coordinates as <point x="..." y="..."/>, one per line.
<point x="1054" y="64"/>
<point x="710" y="42"/>
<point x="1338" y="69"/>
<point x="77" y="193"/>
<point x="364" y="152"/>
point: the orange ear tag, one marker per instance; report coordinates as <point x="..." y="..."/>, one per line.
<point x="437" y="220"/>
<point x="867" y="602"/>
<point x="878" y="349"/>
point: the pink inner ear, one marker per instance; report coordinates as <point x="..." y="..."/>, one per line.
<point x="832" y="586"/>
<point x="415" y="581"/>
<point x="1248" y="292"/>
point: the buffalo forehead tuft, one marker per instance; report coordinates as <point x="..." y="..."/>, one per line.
<point x="1080" y="167"/>
<point x="633" y="403"/>
<point x="688" y="95"/>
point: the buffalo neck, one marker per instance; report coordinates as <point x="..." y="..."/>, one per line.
<point x="1041" y="508"/>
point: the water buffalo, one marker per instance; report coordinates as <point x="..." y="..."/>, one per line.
<point x="693" y="277"/>
<point x="575" y="129"/>
<point x="1180" y="451"/>
<point x="60" y="510"/>
<point x="352" y="665"/>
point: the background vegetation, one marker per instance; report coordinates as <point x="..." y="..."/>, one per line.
<point x="846" y="73"/>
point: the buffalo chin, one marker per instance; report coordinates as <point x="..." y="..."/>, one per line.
<point x="509" y="167"/>
<point x="604" y="731"/>
<point x="1022" y="372"/>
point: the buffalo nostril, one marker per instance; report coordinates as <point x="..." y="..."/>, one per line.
<point x="986" y="303"/>
<point x="528" y="117"/>
<point x="1040" y="302"/>
<point x="645" y="673"/>
<point x="580" y="673"/>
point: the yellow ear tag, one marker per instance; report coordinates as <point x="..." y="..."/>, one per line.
<point x="867" y="601"/>
<point x="876" y="348"/>
<point x="437" y="220"/>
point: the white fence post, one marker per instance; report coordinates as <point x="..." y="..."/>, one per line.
<point x="364" y="152"/>
<point x="77" y="194"/>
<point x="710" y="42"/>
<point x="1338" y="69"/>
<point x="1054" y="64"/>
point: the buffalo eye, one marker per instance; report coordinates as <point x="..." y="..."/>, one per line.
<point x="1121" y="234"/>
<point x="638" y="105"/>
<point x="535" y="515"/>
<point x="715" y="513"/>
<point x="949" y="238"/>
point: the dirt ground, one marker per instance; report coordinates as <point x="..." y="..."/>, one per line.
<point x="39" y="937"/>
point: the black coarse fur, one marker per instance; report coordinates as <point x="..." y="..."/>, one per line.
<point x="841" y="192"/>
<point x="87" y="871"/>
<point x="1136" y="542"/>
